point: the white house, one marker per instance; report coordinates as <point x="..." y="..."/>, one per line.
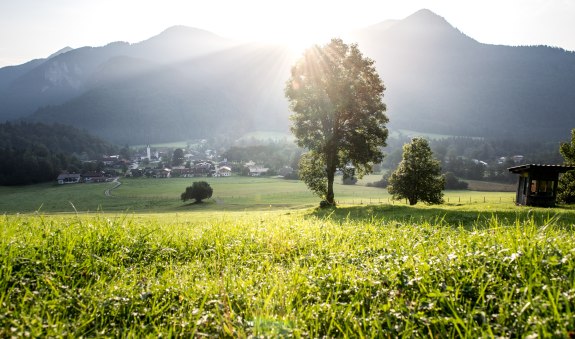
<point x="66" y="178"/>
<point x="256" y="171"/>
<point x="223" y="171"/>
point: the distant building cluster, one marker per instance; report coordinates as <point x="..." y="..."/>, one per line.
<point x="160" y="163"/>
<point x="89" y="177"/>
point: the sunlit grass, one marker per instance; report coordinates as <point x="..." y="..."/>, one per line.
<point x="230" y="194"/>
<point x="358" y="271"/>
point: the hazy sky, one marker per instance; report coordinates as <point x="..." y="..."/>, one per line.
<point x="36" y="28"/>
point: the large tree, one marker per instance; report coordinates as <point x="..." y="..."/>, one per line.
<point x="336" y="95"/>
<point x="418" y="176"/>
<point x="566" y="189"/>
<point x="199" y="191"/>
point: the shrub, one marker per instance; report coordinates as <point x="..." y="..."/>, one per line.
<point x="349" y="180"/>
<point x="198" y="191"/>
<point x="292" y="176"/>
<point x="380" y="183"/>
<point x="453" y="183"/>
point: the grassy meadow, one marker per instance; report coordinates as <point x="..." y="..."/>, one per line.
<point x="230" y="194"/>
<point x="260" y="260"/>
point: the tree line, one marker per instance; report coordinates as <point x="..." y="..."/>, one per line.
<point x="34" y="152"/>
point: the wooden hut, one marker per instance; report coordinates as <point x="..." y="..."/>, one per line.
<point x="537" y="184"/>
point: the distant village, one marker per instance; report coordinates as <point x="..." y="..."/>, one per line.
<point x="200" y="161"/>
<point x="159" y="163"/>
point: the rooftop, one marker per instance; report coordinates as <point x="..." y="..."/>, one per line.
<point x="554" y="168"/>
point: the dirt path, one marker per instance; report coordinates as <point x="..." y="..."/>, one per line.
<point x="108" y="192"/>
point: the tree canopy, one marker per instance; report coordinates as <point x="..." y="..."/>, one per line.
<point x="199" y="191"/>
<point x="178" y="157"/>
<point x="566" y="189"/>
<point x="418" y="176"/>
<point x="336" y="95"/>
<point x="32" y="153"/>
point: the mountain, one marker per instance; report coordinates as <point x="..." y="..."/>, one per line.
<point x="61" y="51"/>
<point x="187" y="83"/>
<point x="442" y="81"/>
<point x="66" y="75"/>
<point x="223" y="94"/>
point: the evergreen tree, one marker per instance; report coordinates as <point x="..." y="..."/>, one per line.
<point x="418" y="176"/>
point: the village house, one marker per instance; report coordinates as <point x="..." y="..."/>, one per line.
<point x="223" y="171"/>
<point x="91" y="177"/>
<point x="256" y="171"/>
<point x="164" y="173"/>
<point x="182" y="172"/>
<point x="68" y="178"/>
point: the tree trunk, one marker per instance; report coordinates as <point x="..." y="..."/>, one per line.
<point x="330" y="195"/>
<point x="331" y="168"/>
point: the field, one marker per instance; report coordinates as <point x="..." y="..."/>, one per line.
<point x="230" y="194"/>
<point x="240" y="267"/>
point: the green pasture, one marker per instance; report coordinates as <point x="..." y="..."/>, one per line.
<point x="260" y="260"/>
<point x="230" y="194"/>
<point x="358" y="271"/>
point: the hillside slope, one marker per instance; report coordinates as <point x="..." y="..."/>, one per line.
<point x="441" y="81"/>
<point x="187" y="83"/>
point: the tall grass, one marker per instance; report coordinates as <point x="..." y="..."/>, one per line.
<point x="272" y="274"/>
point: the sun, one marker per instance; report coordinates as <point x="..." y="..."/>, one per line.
<point x="298" y="39"/>
<point x="295" y="24"/>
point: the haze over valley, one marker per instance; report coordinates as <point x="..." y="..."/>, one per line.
<point x="187" y="83"/>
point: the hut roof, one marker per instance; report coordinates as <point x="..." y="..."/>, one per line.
<point x="539" y="167"/>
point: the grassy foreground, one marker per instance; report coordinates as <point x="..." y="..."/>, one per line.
<point x="357" y="271"/>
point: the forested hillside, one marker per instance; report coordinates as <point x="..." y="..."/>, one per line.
<point x="136" y="102"/>
<point x="33" y="152"/>
<point x="441" y="81"/>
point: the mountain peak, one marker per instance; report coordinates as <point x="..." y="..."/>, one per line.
<point x="180" y="31"/>
<point x="424" y="28"/>
<point x="427" y="18"/>
<point x="428" y="28"/>
<point x="176" y="35"/>
<point x="425" y="14"/>
<point x="180" y="43"/>
<point x="62" y="51"/>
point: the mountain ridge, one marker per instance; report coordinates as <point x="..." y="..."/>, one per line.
<point x="438" y="80"/>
